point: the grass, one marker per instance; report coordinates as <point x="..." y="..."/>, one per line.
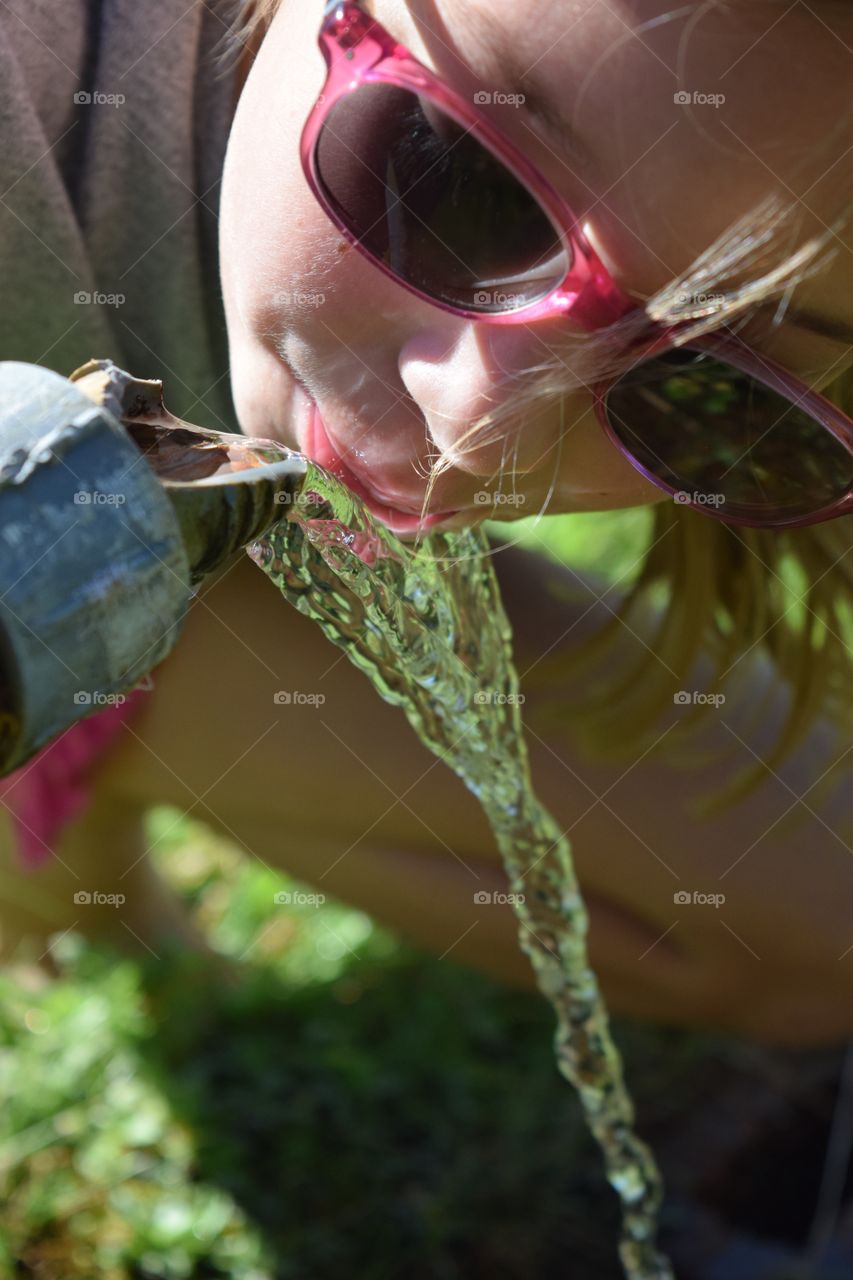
<point x="352" y="1107"/>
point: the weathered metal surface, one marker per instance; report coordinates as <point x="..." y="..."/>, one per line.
<point x="94" y="577"/>
<point x="111" y="510"/>
<point x="226" y="489"/>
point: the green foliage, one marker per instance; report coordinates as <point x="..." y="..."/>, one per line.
<point x="347" y="1109"/>
<point x="609" y="544"/>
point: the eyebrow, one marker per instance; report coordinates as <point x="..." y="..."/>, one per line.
<point x="504" y="69"/>
<point x="539" y="104"/>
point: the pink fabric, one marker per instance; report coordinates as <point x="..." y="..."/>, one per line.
<point x="54" y="786"/>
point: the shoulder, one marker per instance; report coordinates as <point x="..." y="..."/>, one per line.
<point x="43" y="49"/>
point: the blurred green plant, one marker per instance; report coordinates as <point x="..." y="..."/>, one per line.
<point x="350" y="1107"/>
<point x="609" y="544"/>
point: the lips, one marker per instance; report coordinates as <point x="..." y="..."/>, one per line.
<point x="320" y="449"/>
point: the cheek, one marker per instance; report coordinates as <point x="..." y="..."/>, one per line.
<point x="593" y="475"/>
<point x="275" y="241"/>
<point x="572" y="453"/>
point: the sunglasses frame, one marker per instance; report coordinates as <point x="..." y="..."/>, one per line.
<point x="358" y="50"/>
<point x="731" y="350"/>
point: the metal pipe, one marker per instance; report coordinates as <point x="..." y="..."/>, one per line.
<point x="111" y="512"/>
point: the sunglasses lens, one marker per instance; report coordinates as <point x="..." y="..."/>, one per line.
<point x="433" y="205"/>
<point x="725" y="441"/>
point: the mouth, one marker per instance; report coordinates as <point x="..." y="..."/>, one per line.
<point x="320" y="449"/>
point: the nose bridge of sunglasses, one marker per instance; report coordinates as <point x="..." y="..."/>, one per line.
<point x="348" y="27"/>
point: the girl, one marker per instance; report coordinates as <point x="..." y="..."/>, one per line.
<point x="680" y="165"/>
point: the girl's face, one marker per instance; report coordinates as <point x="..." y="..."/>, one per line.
<point x="655" y="179"/>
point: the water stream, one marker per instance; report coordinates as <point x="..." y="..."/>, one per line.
<point x="427" y="626"/>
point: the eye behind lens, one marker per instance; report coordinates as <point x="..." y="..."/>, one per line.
<point x="436" y="207"/>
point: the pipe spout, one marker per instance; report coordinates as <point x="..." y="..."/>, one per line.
<point x="112" y="511"/>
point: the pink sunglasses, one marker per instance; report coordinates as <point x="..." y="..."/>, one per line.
<point x="437" y="197"/>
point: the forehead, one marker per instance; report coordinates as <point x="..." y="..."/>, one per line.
<point x="509" y="38"/>
<point x="781" y="70"/>
<point x="664" y="178"/>
<point x="553" y="33"/>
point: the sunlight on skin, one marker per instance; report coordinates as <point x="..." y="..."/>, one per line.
<point x="401" y="378"/>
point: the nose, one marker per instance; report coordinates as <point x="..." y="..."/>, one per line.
<point x="456" y="375"/>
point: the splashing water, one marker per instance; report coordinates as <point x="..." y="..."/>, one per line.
<point x="427" y="625"/>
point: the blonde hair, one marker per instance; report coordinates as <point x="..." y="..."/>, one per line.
<point x="717" y="591"/>
<point x="725" y="590"/>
